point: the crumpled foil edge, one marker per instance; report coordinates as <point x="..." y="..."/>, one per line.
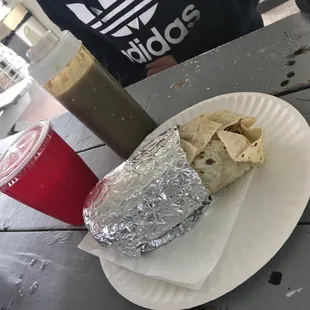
<point x="175" y="232"/>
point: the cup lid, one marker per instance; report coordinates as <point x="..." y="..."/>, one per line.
<point x="28" y="143"/>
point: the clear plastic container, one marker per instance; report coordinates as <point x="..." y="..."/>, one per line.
<point x="73" y="76"/>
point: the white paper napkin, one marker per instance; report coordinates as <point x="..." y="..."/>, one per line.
<point x="189" y="259"/>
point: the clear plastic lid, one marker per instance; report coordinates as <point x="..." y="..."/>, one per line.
<point x="25" y="148"/>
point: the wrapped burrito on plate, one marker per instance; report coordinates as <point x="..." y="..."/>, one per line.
<point x="163" y="189"/>
<point x="221" y="147"/>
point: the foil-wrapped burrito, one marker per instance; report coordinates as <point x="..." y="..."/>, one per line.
<point x="147" y="201"/>
<point x="163" y="188"/>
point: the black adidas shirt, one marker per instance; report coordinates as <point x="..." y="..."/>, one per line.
<point x="125" y="35"/>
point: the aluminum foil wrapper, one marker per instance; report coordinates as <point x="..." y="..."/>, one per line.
<point x="152" y="198"/>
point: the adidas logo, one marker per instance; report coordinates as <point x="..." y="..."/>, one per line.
<point x="159" y="44"/>
<point x="109" y="21"/>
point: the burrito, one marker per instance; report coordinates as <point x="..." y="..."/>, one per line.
<point x="221" y="147"/>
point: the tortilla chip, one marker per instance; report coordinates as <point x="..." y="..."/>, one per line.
<point x="252" y="134"/>
<point x="222" y="146"/>
<point x="235" y="143"/>
<point x="254" y="153"/>
<point x="199" y="131"/>
<point x="190" y="151"/>
<point x="228" y="118"/>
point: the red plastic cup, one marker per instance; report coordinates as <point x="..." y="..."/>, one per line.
<point x="46" y="174"/>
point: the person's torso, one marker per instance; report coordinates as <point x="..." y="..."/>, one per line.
<point x="144" y="30"/>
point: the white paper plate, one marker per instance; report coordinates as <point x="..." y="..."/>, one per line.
<point x="276" y="199"/>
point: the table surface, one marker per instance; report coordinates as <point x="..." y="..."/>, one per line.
<point x="43" y="251"/>
<point x="10" y="114"/>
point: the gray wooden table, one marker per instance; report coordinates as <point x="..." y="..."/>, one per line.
<point x="37" y="250"/>
<point x="11" y="109"/>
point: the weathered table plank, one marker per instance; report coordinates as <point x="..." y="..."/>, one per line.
<point x="78" y="136"/>
<point x="68" y="278"/>
<point x="256" y="62"/>
<point x="73" y="279"/>
<point x="16" y="216"/>
<point x="101" y="160"/>
<point x="301" y="101"/>
<point x="10" y="115"/>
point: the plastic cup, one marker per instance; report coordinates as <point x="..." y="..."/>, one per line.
<point x="46" y="174"/>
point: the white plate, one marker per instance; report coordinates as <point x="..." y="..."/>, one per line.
<point x="276" y="199"/>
